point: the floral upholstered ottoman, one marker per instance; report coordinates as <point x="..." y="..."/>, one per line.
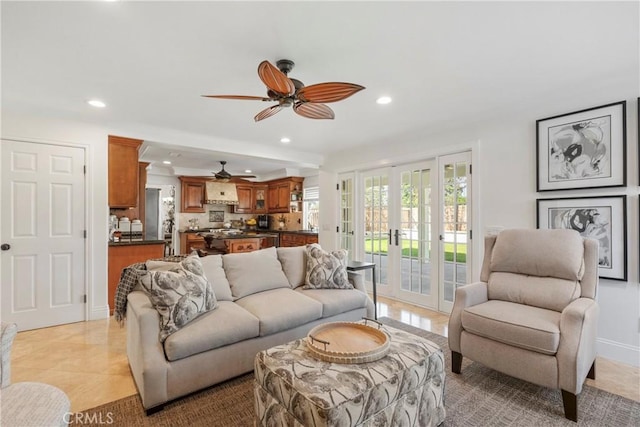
<point x="404" y="388"/>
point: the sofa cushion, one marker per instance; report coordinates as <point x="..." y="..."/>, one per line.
<point x="544" y="253"/>
<point x="253" y="272"/>
<point x="326" y="270"/>
<point x="544" y="292"/>
<point x="227" y="324"/>
<point x="212" y="267"/>
<point x="531" y="328"/>
<point x="179" y="295"/>
<point x="336" y="301"/>
<point x="281" y="309"/>
<point x="294" y="265"/>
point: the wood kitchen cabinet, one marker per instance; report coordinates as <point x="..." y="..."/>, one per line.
<point x="297" y="239"/>
<point x="123" y="172"/>
<point x="235" y="246"/>
<point x="121" y="256"/>
<point x="279" y="198"/>
<point x="245" y="199"/>
<point x="189" y="242"/>
<point x="260" y="196"/>
<point x="192" y="194"/>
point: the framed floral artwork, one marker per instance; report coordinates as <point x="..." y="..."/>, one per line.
<point x="583" y="149"/>
<point x="603" y="218"/>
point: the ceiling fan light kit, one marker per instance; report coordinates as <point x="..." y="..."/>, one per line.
<point x="307" y="101"/>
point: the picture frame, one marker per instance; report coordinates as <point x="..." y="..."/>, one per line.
<point x="603" y="218"/>
<point x="216" y="216"/>
<point x="583" y="149"/>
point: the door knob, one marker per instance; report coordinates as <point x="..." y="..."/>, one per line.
<point x="5" y="246"/>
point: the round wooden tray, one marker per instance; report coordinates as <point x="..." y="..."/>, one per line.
<point x="348" y="342"/>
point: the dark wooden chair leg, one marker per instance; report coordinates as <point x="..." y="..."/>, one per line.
<point x="592" y="371"/>
<point x="456" y="362"/>
<point x="570" y="403"/>
<point x="155" y="409"/>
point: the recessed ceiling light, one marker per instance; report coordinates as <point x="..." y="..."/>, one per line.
<point x="166" y="162"/>
<point x="247" y="171"/>
<point x="96" y="103"/>
<point x="285" y="140"/>
<point x="383" y="100"/>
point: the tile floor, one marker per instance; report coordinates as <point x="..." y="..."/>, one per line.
<point x="88" y="360"/>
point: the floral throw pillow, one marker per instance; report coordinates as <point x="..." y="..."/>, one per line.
<point x="326" y="270"/>
<point x="179" y="294"/>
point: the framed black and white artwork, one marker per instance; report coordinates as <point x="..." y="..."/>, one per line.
<point x="601" y="218"/>
<point x="583" y="149"/>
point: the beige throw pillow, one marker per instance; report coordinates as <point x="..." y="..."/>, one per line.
<point x="179" y="294"/>
<point x="326" y="270"/>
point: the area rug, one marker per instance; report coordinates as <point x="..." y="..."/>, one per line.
<point x="478" y="397"/>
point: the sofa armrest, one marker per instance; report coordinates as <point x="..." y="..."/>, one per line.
<point x="466" y="296"/>
<point x="577" y="348"/>
<point x="144" y="350"/>
<point x="357" y="280"/>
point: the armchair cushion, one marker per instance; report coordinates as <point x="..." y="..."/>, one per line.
<point x="518" y="325"/>
<point x="544" y="292"/>
<point x="543" y="253"/>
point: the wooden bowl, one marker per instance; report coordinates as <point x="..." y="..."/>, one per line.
<point x="347" y="342"/>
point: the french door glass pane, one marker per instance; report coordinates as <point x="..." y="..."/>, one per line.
<point x="455" y="227"/>
<point x="347" y="216"/>
<point x="376" y="224"/>
<point x="415" y="225"/>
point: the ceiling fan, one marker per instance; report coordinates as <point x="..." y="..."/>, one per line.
<point x="225" y="176"/>
<point x="307" y="101"/>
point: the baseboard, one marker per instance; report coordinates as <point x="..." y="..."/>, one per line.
<point x="96" y="313"/>
<point x="619" y="352"/>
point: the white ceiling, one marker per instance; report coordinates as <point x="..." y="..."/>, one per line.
<point x="443" y="63"/>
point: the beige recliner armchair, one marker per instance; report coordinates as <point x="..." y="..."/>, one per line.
<point x="533" y="315"/>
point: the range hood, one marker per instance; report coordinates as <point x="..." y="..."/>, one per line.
<point x="221" y="193"/>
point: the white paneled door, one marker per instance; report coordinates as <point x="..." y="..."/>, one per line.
<point x="42" y="234"/>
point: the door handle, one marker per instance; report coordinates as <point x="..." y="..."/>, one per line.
<point x="5" y="246"/>
<point x="389" y="236"/>
<point x="397" y="235"/>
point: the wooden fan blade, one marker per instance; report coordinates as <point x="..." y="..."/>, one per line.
<point x="275" y="79"/>
<point x="250" y="98"/>
<point x="267" y="112"/>
<point x="328" y="92"/>
<point x="313" y="111"/>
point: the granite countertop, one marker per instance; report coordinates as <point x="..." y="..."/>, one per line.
<point x="314" y="233"/>
<point x="137" y="242"/>
<point x="244" y="235"/>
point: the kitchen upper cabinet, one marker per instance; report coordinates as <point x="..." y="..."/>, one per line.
<point x="245" y="199"/>
<point x="193" y="194"/>
<point x="260" y="195"/>
<point x="280" y="191"/>
<point x="123" y="172"/>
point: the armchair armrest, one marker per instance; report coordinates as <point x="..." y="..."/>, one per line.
<point x="577" y="349"/>
<point x="8" y="332"/>
<point x="466" y="296"/>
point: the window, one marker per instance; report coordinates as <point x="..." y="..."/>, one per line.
<point x="310" y="208"/>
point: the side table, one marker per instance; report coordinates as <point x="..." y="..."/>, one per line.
<point x="360" y="265"/>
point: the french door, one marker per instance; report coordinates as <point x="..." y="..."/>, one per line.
<point x="414" y="227"/>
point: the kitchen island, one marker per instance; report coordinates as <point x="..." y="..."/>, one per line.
<point x="127" y="252"/>
<point x="225" y="241"/>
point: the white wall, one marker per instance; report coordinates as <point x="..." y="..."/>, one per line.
<point x="504" y="173"/>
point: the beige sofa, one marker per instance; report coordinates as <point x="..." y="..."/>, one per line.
<point x="533" y="315"/>
<point x="260" y="304"/>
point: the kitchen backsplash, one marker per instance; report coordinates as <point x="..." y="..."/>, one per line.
<point x="216" y="215"/>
